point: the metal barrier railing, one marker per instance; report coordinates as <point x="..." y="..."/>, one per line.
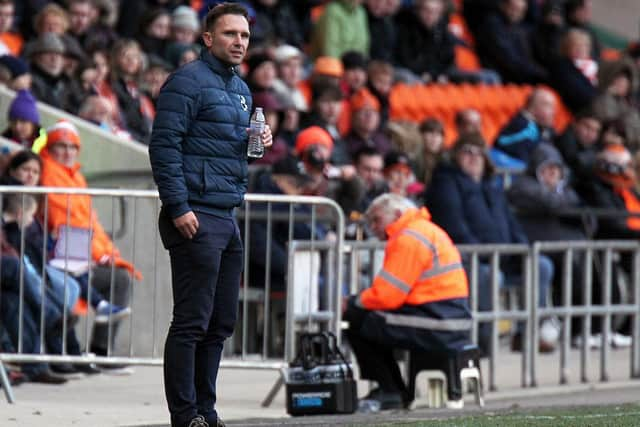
<point x="150" y="300"/>
<point x="360" y="274"/>
<point x="342" y="265"/>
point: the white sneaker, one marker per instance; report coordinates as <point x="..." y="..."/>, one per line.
<point x="550" y="331"/>
<point x="619" y="341"/>
<point x="593" y="341"/>
<point x="455" y="404"/>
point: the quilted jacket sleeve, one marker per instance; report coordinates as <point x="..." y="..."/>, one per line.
<point x="177" y="107"/>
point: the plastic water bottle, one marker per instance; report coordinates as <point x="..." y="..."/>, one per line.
<point x="256" y="148"/>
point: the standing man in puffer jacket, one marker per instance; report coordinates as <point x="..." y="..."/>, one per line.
<point x="198" y="155"/>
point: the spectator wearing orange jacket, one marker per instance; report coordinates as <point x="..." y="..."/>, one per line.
<point x="418" y="301"/>
<point x="60" y="168"/>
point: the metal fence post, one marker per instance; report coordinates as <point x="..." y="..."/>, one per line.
<point x="6" y="384"/>
<point x="567" y="280"/>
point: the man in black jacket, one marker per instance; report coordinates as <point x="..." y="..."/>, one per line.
<point x="198" y="156"/>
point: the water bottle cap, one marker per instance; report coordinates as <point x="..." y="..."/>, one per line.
<point x="258" y="108"/>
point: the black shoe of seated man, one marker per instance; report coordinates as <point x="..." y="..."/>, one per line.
<point x="387" y="399"/>
<point x="89" y="369"/>
<point x="47" y="377"/>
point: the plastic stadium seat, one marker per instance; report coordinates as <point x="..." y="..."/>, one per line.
<point x="497" y="104"/>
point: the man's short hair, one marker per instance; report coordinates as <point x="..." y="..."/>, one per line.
<point x="390" y="202"/>
<point x="224" y="9"/>
<point x="6" y="2"/>
<point x="432" y="125"/>
<point x="366" y="151"/>
<point x="326" y="91"/>
<point x="587" y="113"/>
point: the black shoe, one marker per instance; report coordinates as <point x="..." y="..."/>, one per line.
<point x="89" y="369"/>
<point x="66" y="370"/>
<point x="198" y="421"/>
<point x="387" y="399"/>
<point x="47" y="377"/>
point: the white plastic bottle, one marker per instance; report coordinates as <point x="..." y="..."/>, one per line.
<point x="255" y="147"/>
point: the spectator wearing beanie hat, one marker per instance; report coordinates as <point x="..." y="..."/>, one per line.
<point x="314" y="146"/>
<point x="24" y="121"/>
<point x="184" y="25"/>
<point x="110" y="273"/>
<point x="14" y="73"/>
<point x="289" y="62"/>
<point x="365" y="123"/>
<point x="50" y="85"/>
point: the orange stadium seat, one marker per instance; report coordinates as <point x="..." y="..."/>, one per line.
<point x="497" y="104"/>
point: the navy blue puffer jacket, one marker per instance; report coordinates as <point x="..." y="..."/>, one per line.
<point x="198" y="146"/>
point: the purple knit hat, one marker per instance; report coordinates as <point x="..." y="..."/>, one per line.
<point x="24" y="107"/>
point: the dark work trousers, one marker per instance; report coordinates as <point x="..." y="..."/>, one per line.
<point x="205" y="275"/>
<point x="101" y="283"/>
<point x="375" y="358"/>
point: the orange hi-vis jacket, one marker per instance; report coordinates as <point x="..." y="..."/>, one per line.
<point x="421" y="266"/>
<point x="81" y="213"/>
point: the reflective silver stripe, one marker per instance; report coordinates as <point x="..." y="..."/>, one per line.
<point x="426" y="322"/>
<point x="438" y="270"/>
<point x="425" y="242"/>
<point x="404" y="287"/>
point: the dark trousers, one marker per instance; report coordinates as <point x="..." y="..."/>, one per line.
<point x="101" y="284"/>
<point x="205" y="275"/>
<point x="10" y="323"/>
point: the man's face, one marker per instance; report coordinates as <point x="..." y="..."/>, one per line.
<point x="52" y="23"/>
<point x="369" y="168"/>
<point x="329" y="110"/>
<point x="64" y="153"/>
<point x="432" y="142"/>
<point x="550" y="176"/>
<point x="51" y="62"/>
<point x="515" y="10"/>
<point x="382" y="83"/>
<point x="544" y="109"/>
<point x="80" y="17"/>
<point x="291" y="71"/>
<point x="430" y="12"/>
<point x="471" y="123"/>
<point x="587" y="131"/>
<point x="355" y="78"/>
<point x="228" y="40"/>
<point x="366" y="120"/>
<point x="6" y="17"/>
<point x="379" y="219"/>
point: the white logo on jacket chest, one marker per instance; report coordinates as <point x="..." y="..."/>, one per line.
<point x="243" y="103"/>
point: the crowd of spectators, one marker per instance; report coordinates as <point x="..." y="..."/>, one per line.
<point x="324" y="70"/>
